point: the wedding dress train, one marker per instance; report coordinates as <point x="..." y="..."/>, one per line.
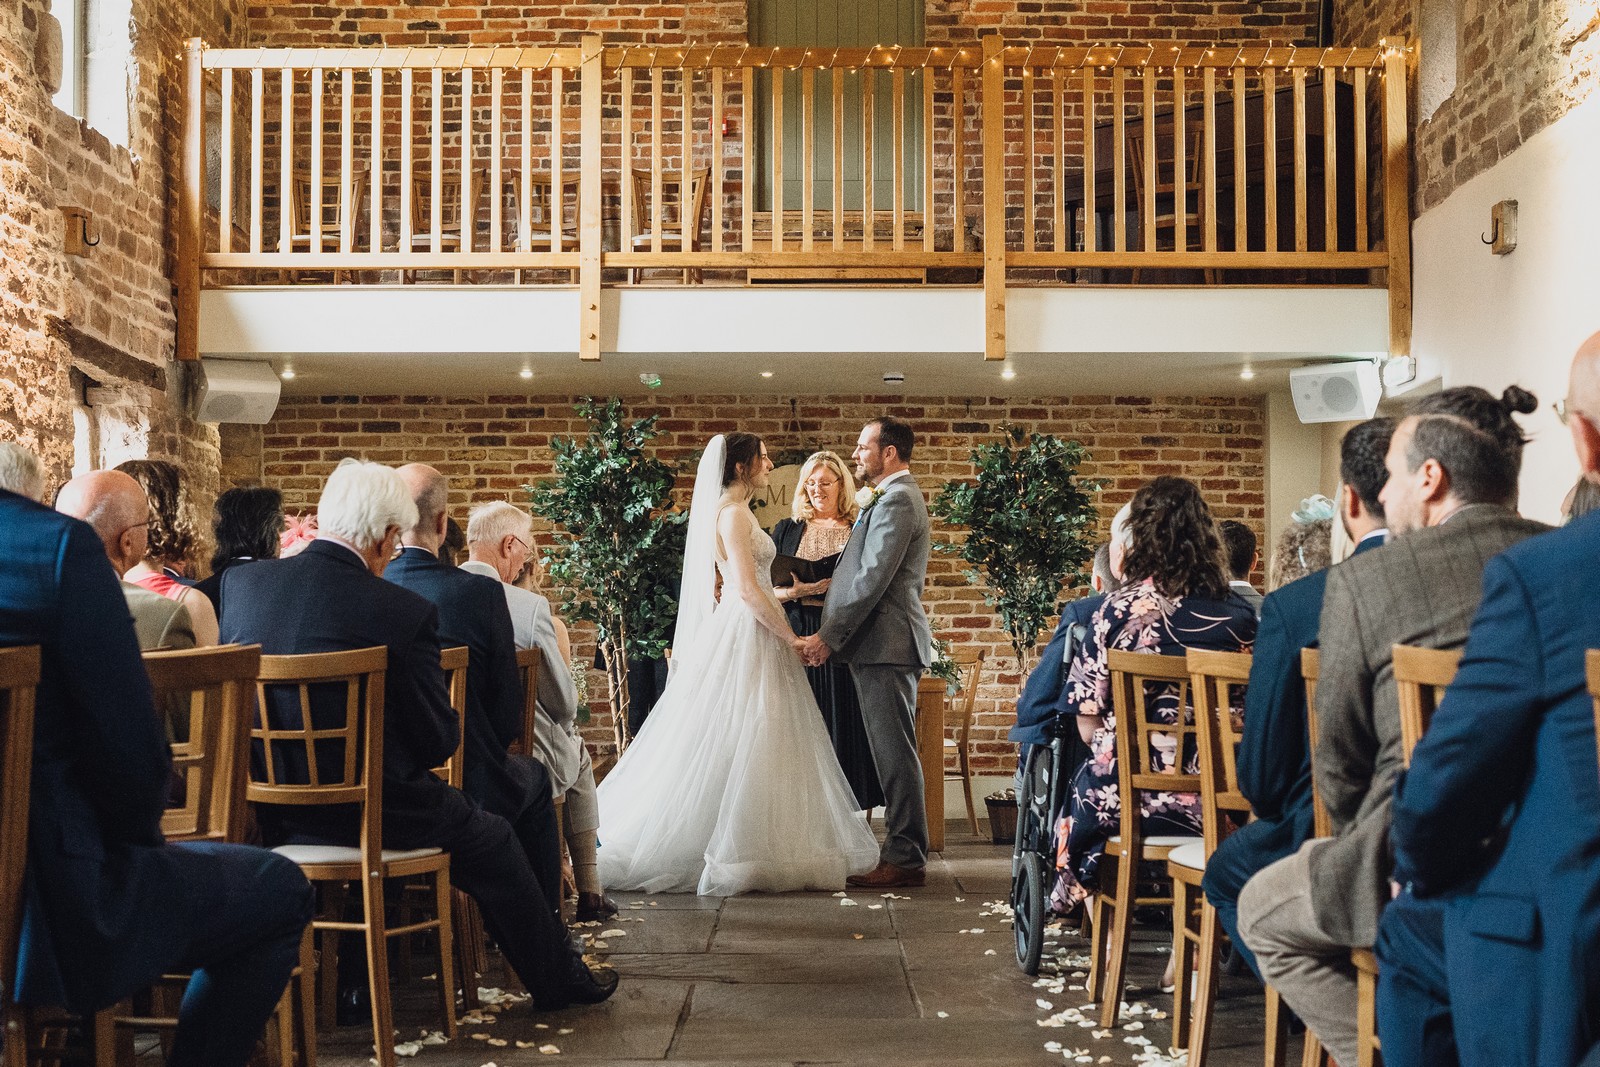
<point x="732" y="785"/>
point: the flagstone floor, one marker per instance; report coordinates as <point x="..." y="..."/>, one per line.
<point x="927" y="976"/>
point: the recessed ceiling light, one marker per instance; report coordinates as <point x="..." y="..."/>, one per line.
<point x="525" y="373"/>
<point x="1008" y="374"/>
<point x="287" y="374"/>
<point x="1247" y="374"/>
<point x="766" y="374"/>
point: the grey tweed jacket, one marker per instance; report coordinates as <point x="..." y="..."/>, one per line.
<point x="1420" y="589"/>
<point x="873" y="610"/>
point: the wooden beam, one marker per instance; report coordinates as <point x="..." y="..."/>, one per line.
<point x="1397" y="194"/>
<point x="994" y="200"/>
<point x="589" y="194"/>
<point x="190" y="202"/>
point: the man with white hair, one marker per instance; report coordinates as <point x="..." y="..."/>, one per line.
<point x="331" y="597"/>
<point x="116" y="507"/>
<point x="500" y="545"/>
<point x="20" y="472"/>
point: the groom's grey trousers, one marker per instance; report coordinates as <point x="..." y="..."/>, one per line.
<point x="887" y="693"/>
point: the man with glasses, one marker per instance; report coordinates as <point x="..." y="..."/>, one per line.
<point x="115" y="506"/>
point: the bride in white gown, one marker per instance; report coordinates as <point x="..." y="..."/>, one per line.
<point x="732" y="785"/>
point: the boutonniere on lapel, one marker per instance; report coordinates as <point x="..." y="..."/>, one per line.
<point x="867" y="496"/>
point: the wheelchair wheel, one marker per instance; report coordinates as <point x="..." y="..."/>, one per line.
<point x="1030" y="897"/>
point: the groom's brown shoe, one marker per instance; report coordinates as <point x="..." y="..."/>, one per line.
<point x="888" y="876"/>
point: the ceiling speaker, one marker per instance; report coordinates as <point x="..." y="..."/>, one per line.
<point x="1336" y="392"/>
<point x="236" y="390"/>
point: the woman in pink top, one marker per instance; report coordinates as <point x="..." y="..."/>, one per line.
<point x="171" y="541"/>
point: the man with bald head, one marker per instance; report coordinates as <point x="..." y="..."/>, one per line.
<point x="473" y="612"/>
<point x="1491" y="952"/>
<point x="116" y="506"/>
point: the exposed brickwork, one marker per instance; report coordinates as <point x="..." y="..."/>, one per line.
<point x="1521" y="65"/>
<point x="489" y="446"/>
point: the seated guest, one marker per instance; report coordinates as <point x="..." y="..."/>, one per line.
<point x="331" y="597"/>
<point x="500" y="542"/>
<point x="1239" y="547"/>
<point x="114" y="505"/>
<point x="1176" y="598"/>
<point x="110" y="906"/>
<point x="1488" y="953"/>
<point x="472" y="612"/>
<point x="248" y="525"/>
<point x="20" y="472"/>
<point x="1453" y="463"/>
<point x="1274" y="758"/>
<point x="1305" y="545"/>
<point x="1582" y="498"/>
<point x="170" y="542"/>
<point x="455" y="543"/>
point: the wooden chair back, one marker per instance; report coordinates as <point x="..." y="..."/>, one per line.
<point x="1140" y="681"/>
<point x="289" y="766"/>
<point x="529" y="661"/>
<point x="1218" y="680"/>
<point x="1166" y="183"/>
<point x="1310" y="665"/>
<point x="552" y="207"/>
<point x="1421" y="676"/>
<point x="1591" y="664"/>
<point x="334" y="220"/>
<point x="970" y="660"/>
<point x="450" y="208"/>
<point x="670" y="213"/>
<point x="215" y="687"/>
<point x="453" y="661"/>
<point x="19" y="679"/>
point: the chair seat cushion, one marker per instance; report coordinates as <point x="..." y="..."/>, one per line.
<point x="1160" y="841"/>
<point x="314" y="854"/>
<point x="1191" y="855"/>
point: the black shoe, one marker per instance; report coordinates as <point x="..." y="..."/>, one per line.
<point x="353" y="1007"/>
<point x="583" y="986"/>
<point x="595" y="907"/>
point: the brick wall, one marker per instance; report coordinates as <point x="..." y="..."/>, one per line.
<point x="1521" y="65"/>
<point x="489" y="446"/>
<point x="109" y="314"/>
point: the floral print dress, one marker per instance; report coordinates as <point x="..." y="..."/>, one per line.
<point x="1137" y="618"/>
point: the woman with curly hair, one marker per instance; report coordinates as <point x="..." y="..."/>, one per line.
<point x="1306" y="545"/>
<point x="1176" y="598"/>
<point x="171" y="541"/>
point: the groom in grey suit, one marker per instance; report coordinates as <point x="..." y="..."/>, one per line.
<point x="873" y="621"/>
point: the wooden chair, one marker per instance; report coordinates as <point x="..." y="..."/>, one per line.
<point x="453" y="661"/>
<point x="335" y="221"/>
<point x="340" y="752"/>
<point x="19" y="678"/>
<point x="1216" y="679"/>
<point x="1166" y="196"/>
<point x="529" y="662"/>
<point x="552" y="212"/>
<point x="450" y="214"/>
<point x="1591" y="663"/>
<point x="1313" y="1054"/>
<point x="1421" y="676"/>
<point x="1135" y="678"/>
<point x="668" y="215"/>
<point x="970" y="660"/>
<point x="471" y="957"/>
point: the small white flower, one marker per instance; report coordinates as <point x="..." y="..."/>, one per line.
<point x="867" y="496"/>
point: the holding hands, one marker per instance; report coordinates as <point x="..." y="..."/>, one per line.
<point x="812" y="650"/>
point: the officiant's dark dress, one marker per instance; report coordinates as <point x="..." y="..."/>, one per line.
<point x="831" y="683"/>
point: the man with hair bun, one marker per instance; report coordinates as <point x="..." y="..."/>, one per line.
<point x="1449" y="498"/>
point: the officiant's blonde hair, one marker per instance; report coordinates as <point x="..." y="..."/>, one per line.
<point x="802" y="510"/>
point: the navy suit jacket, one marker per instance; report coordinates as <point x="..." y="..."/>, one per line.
<point x="472" y="612"/>
<point x="1499" y="814"/>
<point x="104" y="899"/>
<point x="1038" y="706"/>
<point x="326" y="600"/>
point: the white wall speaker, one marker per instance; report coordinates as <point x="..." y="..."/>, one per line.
<point x="236" y="390"/>
<point x="1336" y="392"/>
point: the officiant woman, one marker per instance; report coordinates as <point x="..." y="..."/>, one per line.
<point x="824" y="510"/>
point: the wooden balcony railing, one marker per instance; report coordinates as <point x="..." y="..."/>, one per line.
<point x="564" y="163"/>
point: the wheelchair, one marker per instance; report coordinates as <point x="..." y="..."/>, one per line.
<point x="1045" y="791"/>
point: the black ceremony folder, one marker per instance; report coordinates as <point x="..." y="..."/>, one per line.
<point x="786" y="570"/>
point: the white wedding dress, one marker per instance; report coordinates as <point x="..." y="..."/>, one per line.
<point x="732" y="785"/>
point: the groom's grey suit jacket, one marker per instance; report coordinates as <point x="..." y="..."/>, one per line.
<point x="873" y="611"/>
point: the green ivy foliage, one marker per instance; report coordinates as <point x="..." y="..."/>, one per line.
<point x="1030" y="521"/>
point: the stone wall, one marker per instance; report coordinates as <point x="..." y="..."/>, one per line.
<point x="489" y="446"/>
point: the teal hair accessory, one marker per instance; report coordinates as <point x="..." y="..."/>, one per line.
<point x="1313" y="508"/>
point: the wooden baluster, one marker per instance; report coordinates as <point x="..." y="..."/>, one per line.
<point x="657" y="216"/>
<point x="836" y="84"/>
<point x="496" y="188"/>
<point x="747" y="162"/>
<point x="777" y="158"/>
<point x="375" y="173"/>
<point x="258" y="163"/>
<point x="958" y="160"/>
<point x="687" y="216"/>
<point x="468" y="222"/>
<point x="808" y="162"/>
<point x="286" y="161"/>
<point x="869" y="87"/>
<point x="591" y="131"/>
<point x="525" y="162"/>
<point x="628" y="186"/>
<point x="1269" y="147"/>
<point x="347" y="167"/>
<point x="1058" y="188"/>
<point x="408" y="176"/>
<point x="225" y="207"/>
<point x="1030" y="189"/>
<point x="1208" y="161"/>
<point x="1396" y="193"/>
<point x="317" y="74"/>
<point x="1359" y="99"/>
<point x="1119" y="164"/>
<point x="1300" y="242"/>
<point x="191" y="237"/>
<point x="1330" y="160"/>
<point x="897" y="83"/>
<point x="1180" y="165"/>
<point x="994" y="199"/>
<point x="1241" y="233"/>
<point x="557" y="152"/>
<point x="716" y="158"/>
<point x="1091" y="213"/>
<point x="927" y="159"/>
<point x="1147" y="203"/>
<point x="436" y="156"/>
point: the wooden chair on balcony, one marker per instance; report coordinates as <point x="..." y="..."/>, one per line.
<point x="667" y="216"/>
<point x="450" y="214"/>
<point x="336" y="220"/>
<point x="970" y="660"/>
<point x="1136" y="678"/>
<point x="1168" y="210"/>
<point x="552" y="205"/>
<point x="1217" y="680"/>
<point x="345" y="743"/>
<point x="19" y="678"/>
